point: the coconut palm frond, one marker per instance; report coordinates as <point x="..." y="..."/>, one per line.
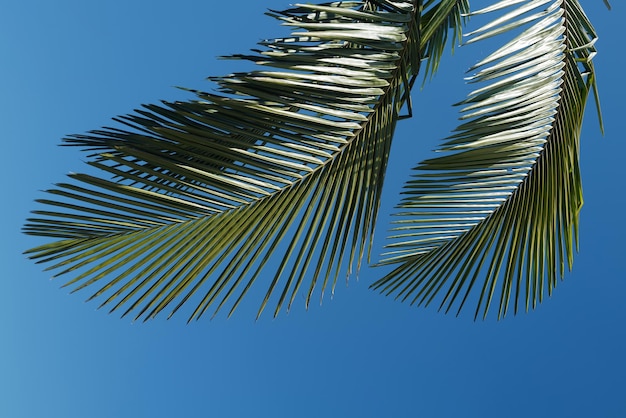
<point x="284" y="163"/>
<point x="496" y="216"/>
<point x="437" y="20"/>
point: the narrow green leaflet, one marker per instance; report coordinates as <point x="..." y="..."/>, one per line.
<point x="495" y="217"/>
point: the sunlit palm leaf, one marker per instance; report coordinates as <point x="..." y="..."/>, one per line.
<point x="499" y="210"/>
<point x="204" y="192"/>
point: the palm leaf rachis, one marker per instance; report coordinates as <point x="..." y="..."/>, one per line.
<point x="278" y="174"/>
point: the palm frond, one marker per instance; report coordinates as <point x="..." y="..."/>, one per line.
<point x="197" y="196"/>
<point x="496" y="216"/>
<point x="438" y="18"/>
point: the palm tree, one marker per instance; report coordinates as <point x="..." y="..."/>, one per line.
<point x="277" y="175"/>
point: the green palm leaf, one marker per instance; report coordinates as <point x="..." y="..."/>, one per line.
<point x="496" y="216"/>
<point x="284" y="163"/>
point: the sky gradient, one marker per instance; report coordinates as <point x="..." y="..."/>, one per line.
<point x="69" y="66"/>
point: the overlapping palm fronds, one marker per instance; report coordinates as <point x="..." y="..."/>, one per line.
<point x="283" y="164"/>
<point x="496" y="216"/>
<point x="278" y="174"/>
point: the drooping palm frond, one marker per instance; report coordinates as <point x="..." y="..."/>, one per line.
<point x="437" y="20"/>
<point x="497" y="215"/>
<point x="202" y="193"/>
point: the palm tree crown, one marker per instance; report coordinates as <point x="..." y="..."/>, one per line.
<point x="278" y="174"/>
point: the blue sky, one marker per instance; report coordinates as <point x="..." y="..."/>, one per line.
<point x="69" y="66"/>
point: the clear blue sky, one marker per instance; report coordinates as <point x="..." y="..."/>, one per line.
<point x="68" y="66"/>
